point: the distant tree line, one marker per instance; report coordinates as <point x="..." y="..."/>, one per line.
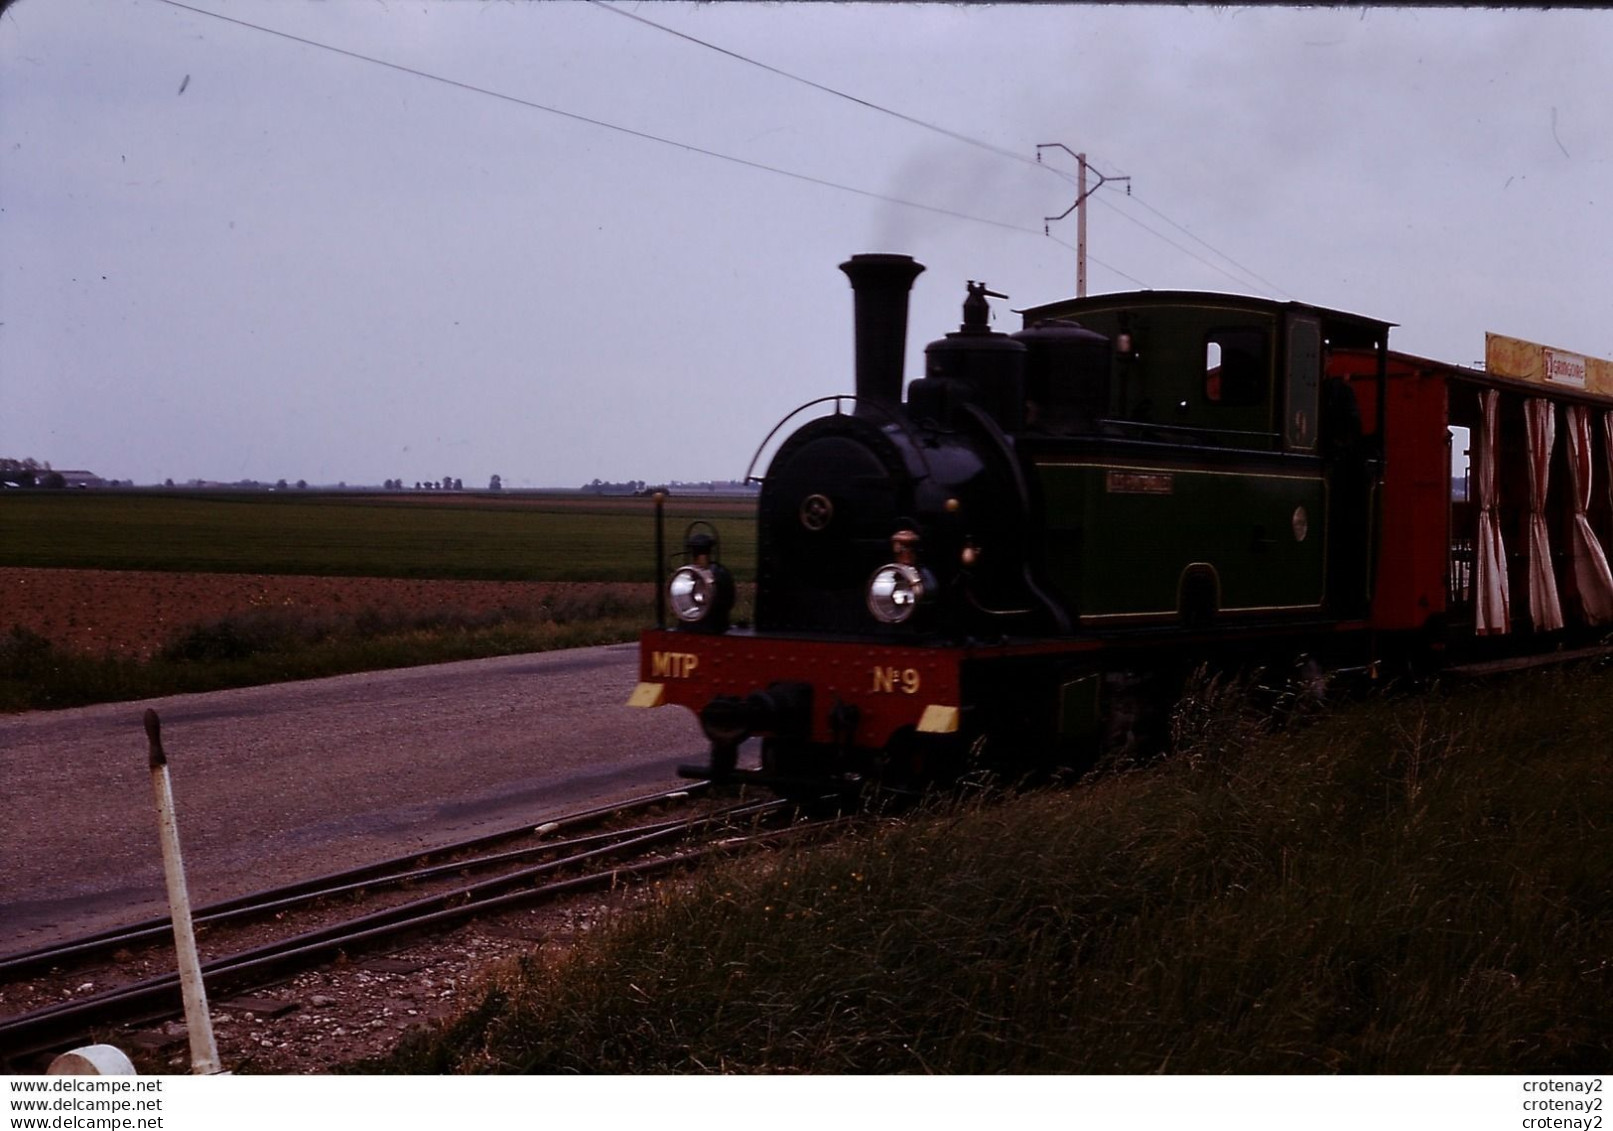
<point x="640" y="487"/>
<point x="447" y="483"/>
<point x="34" y="473"/>
<point x="626" y="487"/>
<point x="31" y="472"/>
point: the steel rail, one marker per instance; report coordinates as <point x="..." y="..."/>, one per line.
<point x="375" y="873"/>
<point x="54" y="1026"/>
<point x="162" y="928"/>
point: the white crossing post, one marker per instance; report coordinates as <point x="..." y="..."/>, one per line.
<point x="198" y="1023"/>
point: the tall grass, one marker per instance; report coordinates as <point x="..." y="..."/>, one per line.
<point x="1423" y="885"/>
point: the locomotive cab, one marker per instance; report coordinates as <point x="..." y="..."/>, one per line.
<point x="1225" y="480"/>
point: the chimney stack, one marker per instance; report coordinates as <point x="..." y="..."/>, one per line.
<point x="880" y="285"/>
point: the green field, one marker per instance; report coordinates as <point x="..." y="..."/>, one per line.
<point x="467" y="536"/>
<point x="503" y="537"/>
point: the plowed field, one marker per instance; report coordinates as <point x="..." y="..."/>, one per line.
<point x="134" y="613"/>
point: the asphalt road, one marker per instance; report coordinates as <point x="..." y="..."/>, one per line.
<point x="298" y="779"/>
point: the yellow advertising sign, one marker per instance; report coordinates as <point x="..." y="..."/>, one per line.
<point x="1531" y="361"/>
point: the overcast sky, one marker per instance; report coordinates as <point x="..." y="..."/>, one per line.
<point x="228" y="254"/>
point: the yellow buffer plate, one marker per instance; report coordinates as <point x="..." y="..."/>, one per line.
<point x="647" y="695"/>
<point x="938" y="720"/>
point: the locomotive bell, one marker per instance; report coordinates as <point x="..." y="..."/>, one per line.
<point x="978" y="365"/>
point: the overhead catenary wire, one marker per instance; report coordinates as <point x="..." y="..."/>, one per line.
<point x="1190" y="253"/>
<point x="1099" y="262"/>
<point x="600" y="123"/>
<point x="647" y="136"/>
<point x="1250" y="274"/>
<point x="953" y="134"/>
<point x="762" y="166"/>
<point x="1256" y="276"/>
<point x="978" y="143"/>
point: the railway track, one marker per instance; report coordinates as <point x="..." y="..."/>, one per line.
<point x="368" y="908"/>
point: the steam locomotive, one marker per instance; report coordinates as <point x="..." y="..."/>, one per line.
<point x="1055" y="526"/>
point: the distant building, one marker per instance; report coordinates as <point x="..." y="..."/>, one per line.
<point x="80" y="478"/>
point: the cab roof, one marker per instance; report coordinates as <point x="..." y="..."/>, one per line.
<point x="1343" y="328"/>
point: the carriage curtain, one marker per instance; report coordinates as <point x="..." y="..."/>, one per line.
<point x="1607" y="450"/>
<point x="1491" y="608"/>
<point x="1592" y="578"/>
<point x="1545" y="610"/>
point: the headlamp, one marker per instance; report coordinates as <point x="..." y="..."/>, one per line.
<point x="692" y="592"/>
<point x="895" y="592"/>
<point x="701" y="593"/>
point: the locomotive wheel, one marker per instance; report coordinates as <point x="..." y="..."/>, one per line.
<point x="1199" y="600"/>
<point x="811" y="774"/>
<point x="917" y="762"/>
<point x="1307" y="686"/>
<point x="786" y="758"/>
<point x="1138" y="708"/>
<point x="912" y="760"/>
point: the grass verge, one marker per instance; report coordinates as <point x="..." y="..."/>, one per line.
<point x="1421" y="885"/>
<point x="273" y="646"/>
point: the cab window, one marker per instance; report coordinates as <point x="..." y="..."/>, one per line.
<point x="1235" y="368"/>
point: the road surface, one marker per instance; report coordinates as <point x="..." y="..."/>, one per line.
<point x="297" y="779"/>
